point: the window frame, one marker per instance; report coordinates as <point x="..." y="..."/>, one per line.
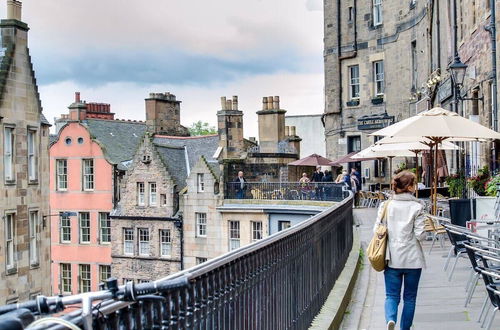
<point x="128" y="243"/>
<point x="88" y="179"/>
<point x="257" y="231"/>
<point x="32" y="155"/>
<point x="141" y="194"/>
<point x="34" y="238"/>
<point x="354" y="86"/>
<point x="201" y="224"/>
<point x="10" y="242"/>
<point x="62" y="228"/>
<point x="234" y="230"/>
<point x="153" y="195"/>
<point x="143" y="243"/>
<point x="65" y="275"/>
<point x="378" y="78"/>
<point x="284" y="224"/>
<point x="81" y="228"/>
<point x="200" y="182"/>
<point x="9" y="154"/>
<point x="104" y="216"/>
<point x="104" y="269"/>
<point x="165" y="240"/>
<point x="60" y="175"/>
<point x="163" y="200"/>
<point x="378" y="18"/>
<point x="84" y="283"/>
<point x="200" y="260"/>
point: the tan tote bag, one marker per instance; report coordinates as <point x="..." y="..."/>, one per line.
<point x="377" y="247"/>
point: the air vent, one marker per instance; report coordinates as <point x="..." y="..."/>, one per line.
<point x="146" y="159"/>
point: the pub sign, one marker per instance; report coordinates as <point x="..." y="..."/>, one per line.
<point x="372" y="122"/>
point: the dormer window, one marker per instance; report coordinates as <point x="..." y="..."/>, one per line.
<point x="146" y="159"/>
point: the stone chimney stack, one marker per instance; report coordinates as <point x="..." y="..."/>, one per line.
<point x="163" y="115"/>
<point x="230" y="128"/>
<point x="14" y="9"/>
<point x="77" y="97"/>
<point x="77" y="109"/>
<point x="271" y="124"/>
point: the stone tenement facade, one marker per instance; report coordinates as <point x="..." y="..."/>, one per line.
<point x="24" y="170"/>
<point x="388" y="60"/>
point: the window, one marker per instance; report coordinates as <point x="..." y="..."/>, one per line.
<point x="104" y="273"/>
<point x="354" y="82"/>
<point x="414" y="70"/>
<point x="128" y="241"/>
<point x="65" y="275"/>
<point x="282" y="225"/>
<point x="84" y="278"/>
<point x="200" y="260"/>
<point x="234" y="235"/>
<point x="201" y="224"/>
<point x="256" y="230"/>
<point x="9" y="241"/>
<point x="163" y="199"/>
<point x="165" y="243"/>
<point x="350" y="14"/>
<point x="8" y="154"/>
<point x="125" y="280"/>
<point x="474" y="18"/>
<point x="200" y="182"/>
<point x="378" y="77"/>
<point x="104" y="227"/>
<point x="377" y="12"/>
<point x="65" y="228"/>
<point x="140" y="193"/>
<point x="33" y="231"/>
<point x="143" y="241"/>
<point x="32" y="155"/>
<point x="84" y="222"/>
<point x="88" y="174"/>
<point x="62" y="174"/>
<point x="152" y="193"/>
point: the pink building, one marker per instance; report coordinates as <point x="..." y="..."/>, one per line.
<point x="87" y="160"/>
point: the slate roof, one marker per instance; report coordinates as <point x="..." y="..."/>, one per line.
<point x="53" y="139"/>
<point x="174" y="150"/>
<point x="119" y="139"/>
<point x="44" y="120"/>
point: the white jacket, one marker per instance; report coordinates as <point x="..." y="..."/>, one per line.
<point x="405" y="225"/>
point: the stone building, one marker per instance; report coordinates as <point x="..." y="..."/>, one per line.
<point x="24" y="178"/>
<point x="88" y="157"/>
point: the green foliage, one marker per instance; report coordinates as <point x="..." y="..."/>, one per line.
<point x="479" y="182"/>
<point x="491" y="185"/>
<point x="456" y="184"/>
<point x="201" y="128"/>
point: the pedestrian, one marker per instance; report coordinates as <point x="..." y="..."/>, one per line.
<point x="347" y="180"/>
<point x="340" y="177"/>
<point x="304" y="186"/>
<point x="316" y="177"/>
<point x="240" y="185"/>
<point x="404" y="254"/>
<point x="326" y="183"/>
<point x="357" y="178"/>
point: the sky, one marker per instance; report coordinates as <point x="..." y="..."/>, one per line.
<point x="118" y="51"/>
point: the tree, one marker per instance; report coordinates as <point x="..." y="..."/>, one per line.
<point x="201" y="128"/>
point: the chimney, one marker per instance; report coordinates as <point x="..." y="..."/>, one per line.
<point x="14" y="9"/>
<point x="163" y="115"/>
<point x="287" y="130"/>
<point x="77" y="97"/>
<point x="276" y="102"/>
<point x="230" y="127"/>
<point x="223" y="103"/>
<point x="264" y="103"/>
<point x="235" y="102"/>
<point x="292" y="131"/>
<point x="270" y="103"/>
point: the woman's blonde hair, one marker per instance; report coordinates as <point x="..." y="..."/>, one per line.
<point x="403" y="181"/>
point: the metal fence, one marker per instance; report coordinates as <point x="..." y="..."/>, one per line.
<point x="323" y="191"/>
<point x="279" y="282"/>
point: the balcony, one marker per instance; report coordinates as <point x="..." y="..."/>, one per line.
<point x="278" y="282"/>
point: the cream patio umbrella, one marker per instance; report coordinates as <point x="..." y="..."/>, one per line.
<point x="437" y="125"/>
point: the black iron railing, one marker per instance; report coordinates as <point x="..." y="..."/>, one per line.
<point x="324" y="191"/>
<point x="279" y="282"/>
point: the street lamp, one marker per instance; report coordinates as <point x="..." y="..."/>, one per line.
<point x="457" y="71"/>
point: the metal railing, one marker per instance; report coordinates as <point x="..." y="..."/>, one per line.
<point x="279" y="282"/>
<point x="323" y="191"/>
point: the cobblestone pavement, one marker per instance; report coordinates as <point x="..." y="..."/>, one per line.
<point x="440" y="303"/>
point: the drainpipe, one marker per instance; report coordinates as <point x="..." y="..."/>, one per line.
<point x="491" y="28"/>
<point x="180" y="225"/>
<point x="438" y="36"/>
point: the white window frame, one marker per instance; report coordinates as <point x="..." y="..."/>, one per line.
<point x="34" y="238"/>
<point x="65" y="278"/>
<point x="61" y="174"/>
<point x="64" y="228"/>
<point x="201" y="224"/>
<point x="10" y="241"/>
<point x="104" y="228"/>
<point x="153" y="194"/>
<point x="200" y="260"/>
<point x="377" y="13"/>
<point x="88" y="174"/>
<point x="163" y="199"/>
<point x="128" y="241"/>
<point x="234" y="234"/>
<point x="141" y="200"/>
<point x="8" y="154"/>
<point x="200" y="182"/>
<point x="256" y="231"/>
<point x="32" y="155"/>
<point x="284" y="224"/>
<point x="144" y="239"/>
<point x="378" y="78"/>
<point x="165" y="243"/>
<point x="84" y="231"/>
<point x="84" y="278"/>
<point x="104" y="273"/>
<point x="354" y="87"/>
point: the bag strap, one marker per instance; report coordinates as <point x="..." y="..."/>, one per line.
<point x="384" y="212"/>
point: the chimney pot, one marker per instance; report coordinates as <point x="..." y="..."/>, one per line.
<point x="77" y="97"/>
<point x="229" y="104"/>
<point x="292" y="131"/>
<point x="223" y="102"/>
<point x="235" y="102"/>
<point x="264" y="103"/>
<point x="14" y="9"/>
<point x="287" y="130"/>
<point x="276" y="102"/>
<point x="269" y="103"/>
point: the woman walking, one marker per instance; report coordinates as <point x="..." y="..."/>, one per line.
<point x="405" y="258"/>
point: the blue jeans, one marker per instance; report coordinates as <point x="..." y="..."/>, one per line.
<point x="240" y="194"/>
<point x="394" y="278"/>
